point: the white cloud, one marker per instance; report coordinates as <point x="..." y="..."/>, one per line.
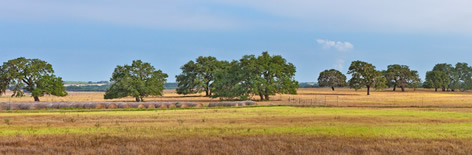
<point x="338" y="45"/>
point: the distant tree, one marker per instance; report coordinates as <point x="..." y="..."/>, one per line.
<point x="198" y="76"/>
<point x="33" y="75"/>
<point x="364" y="74"/>
<point x="464" y="75"/>
<point x="436" y="79"/>
<point x="402" y="76"/>
<point x="263" y="76"/>
<point x="331" y="78"/>
<point x="138" y="80"/>
<point x="276" y="76"/>
<point x="451" y="73"/>
<point x="414" y="80"/>
<point x="230" y="83"/>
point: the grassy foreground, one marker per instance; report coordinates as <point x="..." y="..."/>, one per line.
<point x="243" y="130"/>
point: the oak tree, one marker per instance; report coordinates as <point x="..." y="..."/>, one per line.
<point x="198" y="76"/>
<point x="138" y="80"/>
<point x="364" y="74"/>
<point x="32" y="75"/>
<point x="436" y="79"/>
<point x="331" y="78"/>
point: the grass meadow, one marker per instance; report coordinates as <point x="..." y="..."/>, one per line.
<point x="361" y="126"/>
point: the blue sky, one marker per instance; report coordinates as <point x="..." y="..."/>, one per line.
<point x="85" y="40"/>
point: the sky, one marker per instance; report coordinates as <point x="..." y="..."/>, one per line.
<point x="85" y="40"/>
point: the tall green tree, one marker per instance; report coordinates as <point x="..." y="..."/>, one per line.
<point x="464" y="75"/>
<point x="401" y="76"/>
<point x="264" y="75"/>
<point x="198" y="76"/>
<point x="451" y="73"/>
<point x="138" y="80"/>
<point x="436" y="79"/>
<point x="276" y="76"/>
<point x="364" y="74"/>
<point x="331" y="78"/>
<point x="33" y="75"/>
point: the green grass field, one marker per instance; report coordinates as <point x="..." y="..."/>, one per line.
<point x="418" y="124"/>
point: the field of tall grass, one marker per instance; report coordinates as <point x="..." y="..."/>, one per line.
<point x="280" y="129"/>
<point x="313" y="121"/>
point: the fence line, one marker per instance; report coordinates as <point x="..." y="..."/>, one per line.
<point x="394" y="100"/>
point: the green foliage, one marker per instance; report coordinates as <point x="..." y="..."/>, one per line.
<point x="331" y="78"/>
<point x="436" y="79"/>
<point x="459" y="76"/>
<point x="450" y="72"/>
<point x="263" y="75"/>
<point x="198" y="76"/>
<point x="33" y="75"/>
<point x="401" y="76"/>
<point x="138" y="80"/>
<point x="464" y="76"/>
<point x="364" y="74"/>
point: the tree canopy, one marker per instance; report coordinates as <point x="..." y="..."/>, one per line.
<point x="451" y="73"/>
<point x="331" y="78"/>
<point x="464" y="76"/>
<point x="264" y="75"/>
<point x="401" y="76"/>
<point x="436" y="79"/>
<point x="364" y="74"/>
<point x="138" y="80"/>
<point x="33" y="75"/>
<point x="198" y="76"/>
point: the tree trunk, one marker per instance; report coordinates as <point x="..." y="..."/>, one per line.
<point x="332" y="88"/>
<point x="207" y="89"/>
<point x="452" y="90"/>
<point x="36" y="98"/>
<point x="443" y="89"/>
<point x="403" y="89"/>
<point x="262" y="96"/>
<point x="435" y="89"/>
<point x="368" y="90"/>
<point x="266" y="97"/>
<point x="138" y="99"/>
<point x="394" y="87"/>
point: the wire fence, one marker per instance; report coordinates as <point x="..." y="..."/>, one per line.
<point x="393" y="100"/>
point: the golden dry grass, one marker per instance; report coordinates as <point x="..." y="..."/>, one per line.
<point x="241" y="130"/>
<point x="305" y="96"/>
<point x="386" y="122"/>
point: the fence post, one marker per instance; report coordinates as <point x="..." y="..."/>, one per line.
<point x="337" y="100"/>
<point x="325" y="101"/>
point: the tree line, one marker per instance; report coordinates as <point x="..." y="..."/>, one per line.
<point x="364" y="75"/>
<point x="242" y="79"/>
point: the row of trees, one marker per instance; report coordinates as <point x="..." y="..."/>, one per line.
<point x="249" y="76"/>
<point x="444" y="76"/>
<point x="449" y="78"/>
<point x="263" y="76"/>
<point x="364" y="74"/>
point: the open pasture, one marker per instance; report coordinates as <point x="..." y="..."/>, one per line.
<point x="339" y="122"/>
<point x="306" y="96"/>
<point x="242" y="130"/>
